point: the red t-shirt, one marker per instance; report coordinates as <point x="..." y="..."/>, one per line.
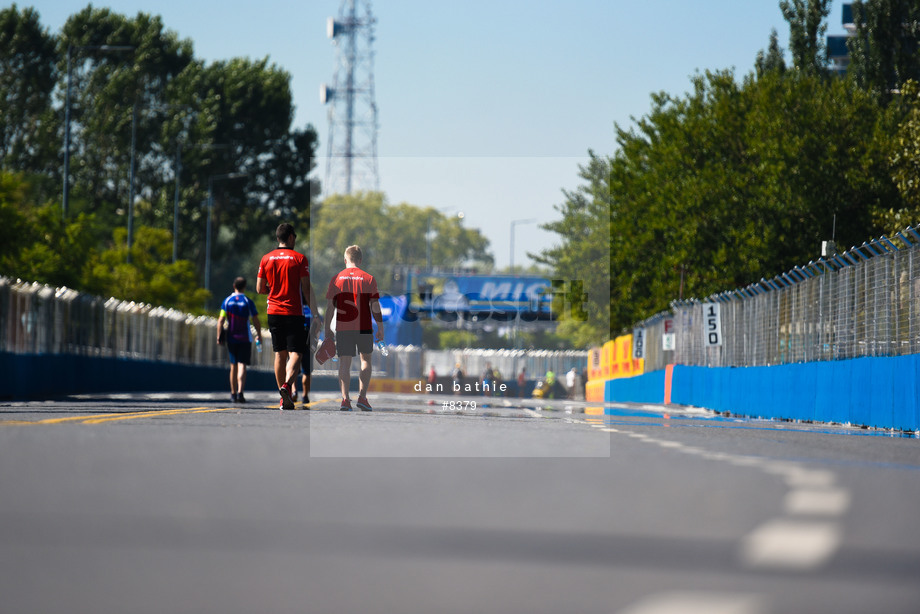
<point x="351" y="291"/>
<point x="282" y="269"/>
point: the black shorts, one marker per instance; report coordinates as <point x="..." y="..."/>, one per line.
<point x="239" y="352"/>
<point x="347" y="341"/>
<point x="288" y="334"/>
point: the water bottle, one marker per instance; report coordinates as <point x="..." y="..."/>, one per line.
<point x="259" y="346"/>
<point x="383" y="348"/>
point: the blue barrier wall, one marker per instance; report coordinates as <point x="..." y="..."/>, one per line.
<point x="647" y="388"/>
<point x="878" y="392"/>
<point x="44" y="376"/>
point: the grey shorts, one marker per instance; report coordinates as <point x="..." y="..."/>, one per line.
<point x="349" y="342"/>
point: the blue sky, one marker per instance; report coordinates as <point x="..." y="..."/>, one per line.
<point x="484" y="106"/>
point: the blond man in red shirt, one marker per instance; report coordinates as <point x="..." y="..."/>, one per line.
<point x="352" y="296"/>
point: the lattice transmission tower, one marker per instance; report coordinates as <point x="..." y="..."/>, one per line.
<point x="351" y="161"/>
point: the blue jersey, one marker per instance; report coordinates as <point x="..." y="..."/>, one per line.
<point x="238" y="308"/>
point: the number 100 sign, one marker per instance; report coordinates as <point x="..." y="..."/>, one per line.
<point x="712" y="325"/>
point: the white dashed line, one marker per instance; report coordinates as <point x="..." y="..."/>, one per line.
<point x="791" y="544"/>
<point x="810" y="478"/>
<point x="817" y="502"/>
<point x="697" y="603"/>
<point x="803" y="539"/>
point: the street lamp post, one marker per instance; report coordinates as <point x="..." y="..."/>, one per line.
<point x="207" y="248"/>
<point x="514" y="328"/>
<point x="65" y="202"/>
<point x="176" y="202"/>
<point x="131" y="180"/>
<point x="513" y="224"/>
<point x="178" y="172"/>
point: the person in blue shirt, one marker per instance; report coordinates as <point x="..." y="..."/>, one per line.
<point x="236" y="310"/>
<point x="306" y="364"/>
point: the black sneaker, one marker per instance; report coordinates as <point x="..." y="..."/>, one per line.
<point x="233" y="397"/>
<point x="240" y="398"/>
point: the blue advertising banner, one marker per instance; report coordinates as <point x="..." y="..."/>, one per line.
<point x="496" y="294"/>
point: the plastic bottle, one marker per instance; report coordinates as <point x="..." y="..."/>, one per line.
<point x="383" y="348"/>
<point x="259" y="346"/>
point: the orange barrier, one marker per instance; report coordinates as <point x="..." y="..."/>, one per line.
<point x="594" y="390"/>
<point x="392" y="385"/>
<point x="613" y="360"/>
<point x="668" y="377"/>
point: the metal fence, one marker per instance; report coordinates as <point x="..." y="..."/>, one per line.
<point x="39" y="319"/>
<point x="859" y="303"/>
<point x="508" y="362"/>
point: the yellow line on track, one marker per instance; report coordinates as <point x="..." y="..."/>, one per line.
<point x="100" y="418"/>
<point x="154" y="414"/>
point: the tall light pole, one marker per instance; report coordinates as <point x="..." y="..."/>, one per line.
<point x="517" y="316"/>
<point x="431" y="213"/>
<point x="131" y="180"/>
<point x="65" y="202"/>
<point x="178" y="171"/>
<point x="207" y="255"/>
<point x="513" y="224"/>
<point x="176" y="202"/>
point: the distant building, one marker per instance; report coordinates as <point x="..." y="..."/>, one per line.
<point x="837" y="51"/>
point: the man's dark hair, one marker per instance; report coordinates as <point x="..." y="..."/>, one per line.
<point x="284" y="232"/>
<point x="239" y="284"/>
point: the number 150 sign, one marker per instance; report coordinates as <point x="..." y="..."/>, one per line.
<point x="712" y="325"/>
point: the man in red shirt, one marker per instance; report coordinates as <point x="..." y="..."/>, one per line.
<point x="353" y="298"/>
<point x="284" y="275"/>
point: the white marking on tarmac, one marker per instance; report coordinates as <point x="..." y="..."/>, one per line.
<point x="825" y="501"/>
<point x="809" y="478"/>
<point x="790" y="544"/>
<point x="698" y="603"/>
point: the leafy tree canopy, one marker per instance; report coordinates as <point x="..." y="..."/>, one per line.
<point x="394" y="239"/>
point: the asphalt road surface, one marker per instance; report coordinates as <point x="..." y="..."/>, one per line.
<point x="185" y="503"/>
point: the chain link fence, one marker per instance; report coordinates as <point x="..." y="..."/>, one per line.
<point x="39" y="319"/>
<point x="859" y="303"/>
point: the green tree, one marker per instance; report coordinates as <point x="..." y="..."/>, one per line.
<point x="136" y="90"/>
<point x="248" y="105"/>
<point x="885" y="52"/>
<point x="230" y="117"/>
<point x="27" y="81"/>
<point x="806" y="33"/>
<point x="738" y="181"/>
<point x="393" y="238"/>
<point x="151" y="277"/>
<point x="35" y="243"/>
<point x="116" y="94"/>
<point x="580" y="263"/>
<point x="771" y="59"/>
<point x="14" y="236"/>
<point x="905" y="162"/>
